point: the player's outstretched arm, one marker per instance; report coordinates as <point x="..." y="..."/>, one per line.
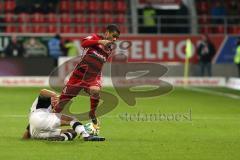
<point x="89" y="43"/>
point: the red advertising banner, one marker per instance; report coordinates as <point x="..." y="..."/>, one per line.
<point x="160" y="48"/>
<point x="147" y="48"/>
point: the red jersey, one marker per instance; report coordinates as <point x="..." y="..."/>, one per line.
<point x="93" y="60"/>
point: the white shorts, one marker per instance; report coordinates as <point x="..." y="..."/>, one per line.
<point x="44" y="124"/>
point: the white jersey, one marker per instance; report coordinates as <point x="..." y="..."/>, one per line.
<point x="43" y="122"/>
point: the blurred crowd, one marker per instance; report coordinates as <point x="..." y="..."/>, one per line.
<point x="36" y="6"/>
<point x="33" y="47"/>
<point x="220" y="10"/>
<point x="155" y="20"/>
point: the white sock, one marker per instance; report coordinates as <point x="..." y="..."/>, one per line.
<point x="72" y="122"/>
<point x="66" y="138"/>
<point x="79" y="128"/>
<point x="67" y="135"/>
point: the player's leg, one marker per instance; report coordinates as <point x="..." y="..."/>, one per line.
<point x="94" y="101"/>
<point x="55" y="135"/>
<point x="69" y="91"/>
<point x="68" y="134"/>
<point x="53" y="131"/>
<point x="47" y="126"/>
<point x="64" y="135"/>
<point x="78" y="128"/>
<point x="75" y="124"/>
<point x="93" y="90"/>
<point x="74" y="85"/>
<point x="42" y="125"/>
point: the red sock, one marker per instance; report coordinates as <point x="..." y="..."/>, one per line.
<point x="94" y="104"/>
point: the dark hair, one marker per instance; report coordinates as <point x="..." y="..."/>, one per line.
<point x="57" y="36"/>
<point x="113" y="28"/>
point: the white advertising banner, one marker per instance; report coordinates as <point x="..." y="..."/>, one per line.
<point x="24" y="81"/>
<point x="233" y="83"/>
<point x="108" y="82"/>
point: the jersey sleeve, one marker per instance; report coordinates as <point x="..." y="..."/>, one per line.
<point x="90" y="41"/>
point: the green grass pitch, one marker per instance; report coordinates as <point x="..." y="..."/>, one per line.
<point x="213" y="132"/>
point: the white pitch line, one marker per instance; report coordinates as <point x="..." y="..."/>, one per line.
<point x="13" y="116"/>
<point x="229" y="95"/>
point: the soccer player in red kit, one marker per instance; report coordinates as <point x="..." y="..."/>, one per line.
<point x="87" y="73"/>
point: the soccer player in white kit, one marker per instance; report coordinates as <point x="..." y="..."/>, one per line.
<point x="45" y="124"/>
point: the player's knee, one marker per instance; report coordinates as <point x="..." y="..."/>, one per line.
<point x="94" y="91"/>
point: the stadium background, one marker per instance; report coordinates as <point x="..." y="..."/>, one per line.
<point x="213" y="102"/>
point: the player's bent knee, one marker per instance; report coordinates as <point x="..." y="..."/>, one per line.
<point x="94" y="91"/>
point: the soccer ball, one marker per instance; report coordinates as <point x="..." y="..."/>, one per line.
<point x="90" y="129"/>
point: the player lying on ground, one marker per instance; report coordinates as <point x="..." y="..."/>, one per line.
<point x="87" y="73"/>
<point x="45" y="124"/>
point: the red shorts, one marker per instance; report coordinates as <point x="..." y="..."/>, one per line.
<point x="81" y="79"/>
<point x="86" y="83"/>
<point x="75" y="84"/>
